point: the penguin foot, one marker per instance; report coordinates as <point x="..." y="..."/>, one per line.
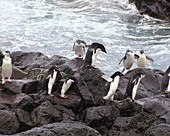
<point x="51" y="94"/>
<point x="3" y="81"/>
<point x="105" y="98"/>
<point x="9" y="80"/>
<point x="63" y="96"/>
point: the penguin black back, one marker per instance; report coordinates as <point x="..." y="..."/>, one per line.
<point x="165" y="80"/>
<point x="132" y="82"/>
<point x="117" y="73"/>
<point x="93" y="47"/>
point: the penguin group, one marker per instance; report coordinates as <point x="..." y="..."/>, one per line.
<point x="55" y="78"/>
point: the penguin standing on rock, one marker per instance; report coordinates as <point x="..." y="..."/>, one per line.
<point x="69" y="80"/>
<point x="79" y="48"/>
<point x="142" y="59"/>
<point x="52" y="77"/>
<point x="92" y="52"/>
<point x="114" y="79"/>
<point x="6" y="67"/>
<point x="128" y="61"/>
<point x="133" y="84"/>
<point x="165" y="83"/>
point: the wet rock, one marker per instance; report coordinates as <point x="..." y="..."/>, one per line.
<point x="28" y="60"/>
<point x="158" y="105"/>
<point x="158" y="130"/>
<point x="24" y="118"/>
<point x="12" y="101"/>
<point x="155" y="8"/>
<point x="26" y="86"/>
<point x="9" y="123"/>
<point x="66" y="129"/>
<point x="48" y="113"/>
<point x="101" y="117"/>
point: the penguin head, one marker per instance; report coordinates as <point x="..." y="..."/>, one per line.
<point x="141" y="51"/>
<point x="117" y="73"/>
<point x="129" y="52"/>
<point x="7" y="53"/>
<point x="80" y="43"/>
<point x="98" y="46"/>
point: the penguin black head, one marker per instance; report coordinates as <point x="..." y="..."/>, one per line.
<point x="141" y="51"/>
<point x="80" y="41"/>
<point x="128" y="52"/>
<point x="98" y="45"/>
<point x="117" y="73"/>
<point x="7" y="53"/>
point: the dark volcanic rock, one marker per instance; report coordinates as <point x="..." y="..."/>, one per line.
<point x="8" y="122"/>
<point x="26" y="86"/>
<point x="155" y="8"/>
<point x="159" y="130"/>
<point x="29" y="60"/>
<point x="61" y="129"/>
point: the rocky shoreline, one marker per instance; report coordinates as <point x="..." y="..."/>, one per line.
<point x="159" y="9"/>
<point x="26" y="110"/>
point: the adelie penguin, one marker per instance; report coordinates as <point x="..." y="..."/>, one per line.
<point x="133" y="84"/>
<point x="52" y="77"/>
<point x="79" y="48"/>
<point x="69" y="80"/>
<point x="142" y="59"/>
<point x="6" y="67"/>
<point x="128" y="61"/>
<point x="114" y="79"/>
<point x="165" y="83"/>
<point x="92" y="52"/>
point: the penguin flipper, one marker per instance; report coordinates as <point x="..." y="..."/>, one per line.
<point x="148" y="58"/>
<point x="122" y="60"/>
<point x="107" y="78"/>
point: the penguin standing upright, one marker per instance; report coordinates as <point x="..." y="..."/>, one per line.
<point x="79" y="48"/>
<point x="142" y="59"/>
<point x="52" y="77"/>
<point x="128" y="61"/>
<point x="133" y="84"/>
<point x="66" y="85"/>
<point x="6" y="68"/>
<point x="92" y="52"/>
<point x="114" y="79"/>
<point x="165" y="83"/>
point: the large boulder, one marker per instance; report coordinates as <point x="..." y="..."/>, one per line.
<point x="9" y="123"/>
<point x="155" y="8"/>
<point x="58" y="129"/>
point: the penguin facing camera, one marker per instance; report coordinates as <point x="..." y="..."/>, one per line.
<point x="142" y="59"/>
<point x="165" y="83"/>
<point x="92" y="52"/>
<point x="133" y="84"/>
<point x="128" y="61"/>
<point x="114" y="79"/>
<point x="6" y="67"/>
<point x="79" y="48"/>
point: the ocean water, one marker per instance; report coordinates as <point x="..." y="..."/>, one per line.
<point x="52" y="26"/>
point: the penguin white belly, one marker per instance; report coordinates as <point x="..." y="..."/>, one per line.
<point x="7" y="69"/>
<point x="51" y="82"/>
<point x="135" y="88"/>
<point x="141" y="61"/>
<point x="79" y="51"/>
<point x="168" y="88"/>
<point x="113" y="87"/>
<point x="94" y="56"/>
<point x="65" y="87"/>
<point x="129" y="62"/>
